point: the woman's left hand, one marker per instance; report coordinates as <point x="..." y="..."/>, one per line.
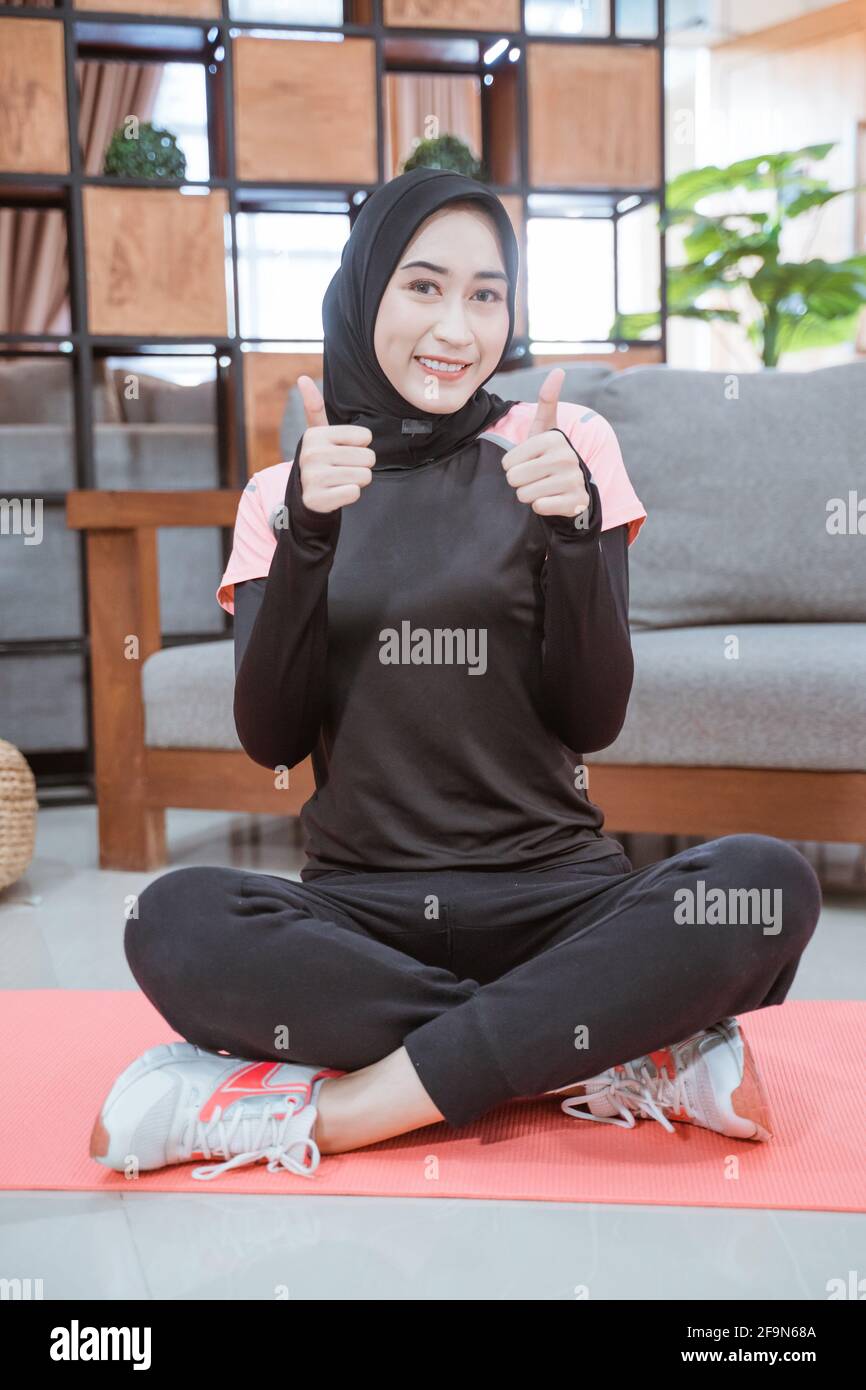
<point x="544" y="470"/>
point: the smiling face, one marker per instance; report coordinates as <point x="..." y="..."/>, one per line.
<point x="442" y="323"/>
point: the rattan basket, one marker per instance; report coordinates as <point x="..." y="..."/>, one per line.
<point x="17" y="813"/>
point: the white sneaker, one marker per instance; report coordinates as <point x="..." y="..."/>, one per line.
<point x="710" y="1079"/>
<point x="178" y="1102"/>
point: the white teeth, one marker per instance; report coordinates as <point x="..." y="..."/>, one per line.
<point x="441" y="366"/>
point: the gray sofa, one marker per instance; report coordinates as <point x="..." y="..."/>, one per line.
<point x="748" y="615"/>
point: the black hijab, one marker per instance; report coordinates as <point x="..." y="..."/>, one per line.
<point x="355" y="388"/>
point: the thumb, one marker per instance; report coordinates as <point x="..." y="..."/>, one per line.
<point x="314" y="405"/>
<point x="548" y="399"/>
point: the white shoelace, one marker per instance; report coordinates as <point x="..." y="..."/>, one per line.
<point x="266" y="1136"/>
<point x="636" y="1092"/>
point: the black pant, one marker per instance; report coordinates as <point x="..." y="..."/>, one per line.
<point x="498" y="984"/>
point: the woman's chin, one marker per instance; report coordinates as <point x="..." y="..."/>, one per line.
<point x="448" y="401"/>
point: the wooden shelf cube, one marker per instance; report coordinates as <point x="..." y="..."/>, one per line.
<point x="494" y="15"/>
<point x="268" y="378"/>
<point x="33" y="134"/>
<point x="155" y="261"/>
<point x="305" y="111"/>
<point x="181" y="9"/>
<point x="593" y="116"/>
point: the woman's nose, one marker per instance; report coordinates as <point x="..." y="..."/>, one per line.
<point x="453" y="325"/>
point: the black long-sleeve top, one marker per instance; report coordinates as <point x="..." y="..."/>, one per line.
<point x="447" y="656"/>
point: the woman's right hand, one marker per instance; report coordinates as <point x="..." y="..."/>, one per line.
<point x="334" y="462"/>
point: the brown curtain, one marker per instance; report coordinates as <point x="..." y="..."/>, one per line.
<point x="411" y="98"/>
<point x="34" y="284"/>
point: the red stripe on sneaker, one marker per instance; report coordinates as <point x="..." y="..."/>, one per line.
<point x="256" y="1079"/>
<point x="663" y="1060"/>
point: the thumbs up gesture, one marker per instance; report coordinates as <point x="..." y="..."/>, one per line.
<point x="545" y="470"/>
<point x="335" y="462"/>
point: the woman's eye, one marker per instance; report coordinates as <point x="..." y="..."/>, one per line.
<point x="417" y="284"/>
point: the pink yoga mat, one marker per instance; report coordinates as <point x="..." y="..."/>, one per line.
<point x="62" y="1050"/>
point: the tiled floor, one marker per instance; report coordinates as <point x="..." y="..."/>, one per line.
<point x="61" y="927"/>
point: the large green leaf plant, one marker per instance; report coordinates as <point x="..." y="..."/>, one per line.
<point x="799" y="304"/>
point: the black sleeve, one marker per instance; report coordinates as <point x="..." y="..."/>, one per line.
<point x="281" y="637"/>
<point x="248" y="600"/>
<point x="587" y="663"/>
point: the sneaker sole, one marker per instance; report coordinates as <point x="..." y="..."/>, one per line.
<point x="162" y="1053"/>
<point x="750" y="1098"/>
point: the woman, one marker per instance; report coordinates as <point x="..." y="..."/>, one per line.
<point x="432" y="601"/>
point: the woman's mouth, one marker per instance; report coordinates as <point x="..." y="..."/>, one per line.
<point x="443" y="370"/>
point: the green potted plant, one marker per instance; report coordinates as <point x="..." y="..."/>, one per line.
<point x="445" y="152"/>
<point x="143" y="151"/>
<point x="800" y="304"/>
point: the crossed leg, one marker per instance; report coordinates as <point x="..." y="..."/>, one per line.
<point x="229" y="958"/>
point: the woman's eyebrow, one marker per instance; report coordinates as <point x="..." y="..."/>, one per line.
<point x="443" y="270"/>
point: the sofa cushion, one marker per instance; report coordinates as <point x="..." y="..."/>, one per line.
<point x="141" y="457"/>
<point x="162" y="402"/>
<point x="38" y="390"/>
<point x="583" y="380"/>
<point x="188" y="695"/>
<point x="795" y="696"/>
<point x="691" y="705"/>
<point x="738" y="475"/>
